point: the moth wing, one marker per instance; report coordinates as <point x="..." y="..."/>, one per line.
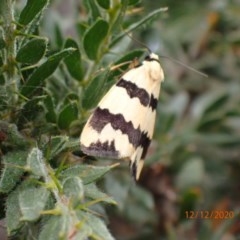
<point x="148" y="125"/>
<point x="138" y="156"/>
<point x="122" y="125"/>
<point x="121" y="120"/>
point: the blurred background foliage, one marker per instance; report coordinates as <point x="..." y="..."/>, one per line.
<point x="193" y="163"/>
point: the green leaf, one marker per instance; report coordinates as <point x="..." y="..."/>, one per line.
<point x="14" y="163"/>
<point x="61" y="227"/>
<point x="116" y="26"/>
<point x="168" y="120"/>
<point x="143" y="197"/>
<point x="2" y="82"/>
<point x="28" y="53"/>
<point x="55" y="228"/>
<point x="91" y="191"/>
<point x="71" y="97"/>
<point x="50" y="109"/>
<point x="93" y="11"/>
<point x="14" y="138"/>
<point x="54" y="146"/>
<point x="217" y="103"/>
<point x="2" y="43"/>
<point x="133" y="2"/>
<point x="188" y="201"/>
<point x="104" y="3"/>
<point x="81" y="28"/>
<point x="44" y="71"/>
<point x="191" y="174"/>
<point x="210" y="123"/>
<point x="87" y="173"/>
<point x="73" y="188"/>
<point x="220" y="139"/>
<point x="13" y="213"/>
<point x="4" y="99"/>
<point x="35" y="162"/>
<point x="1" y="64"/>
<point x="68" y="114"/>
<point x="93" y="38"/>
<point x="135" y="25"/>
<point x="140" y="204"/>
<point x="32" y="201"/>
<point x="73" y="62"/>
<point x="93" y="91"/>
<point x="84" y="233"/>
<point x="58" y="36"/>
<point x="96" y="224"/>
<point x="30" y="111"/>
<point x="118" y="188"/>
<point x="31" y="10"/>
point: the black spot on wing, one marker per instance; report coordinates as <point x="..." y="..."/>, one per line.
<point x="105" y="149"/>
<point x="153" y="102"/>
<point x="134" y="91"/>
<point x="102" y="117"/>
<point x="144" y="143"/>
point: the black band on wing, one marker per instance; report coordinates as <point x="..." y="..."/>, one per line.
<point x="105" y="149"/>
<point x="153" y="102"/>
<point x="102" y="117"/>
<point x="134" y="91"/>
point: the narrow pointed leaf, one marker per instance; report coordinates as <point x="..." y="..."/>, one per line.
<point x="87" y="173"/>
<point x="92" y="192"/>
<point x="144" y="20"/>
<point x="44" y="71"/>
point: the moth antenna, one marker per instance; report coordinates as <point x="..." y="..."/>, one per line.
<point x="137" y="41"/>
<point x="186" y="66"/>
<point x="169" y="58"/>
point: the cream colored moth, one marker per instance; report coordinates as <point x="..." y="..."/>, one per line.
<point x="122" y="124"/>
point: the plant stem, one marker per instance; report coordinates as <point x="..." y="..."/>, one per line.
<point x="7" y="12"/>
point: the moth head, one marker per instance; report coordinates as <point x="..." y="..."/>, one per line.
<point x="152" y="57"/>
<point x="153" y="67"/>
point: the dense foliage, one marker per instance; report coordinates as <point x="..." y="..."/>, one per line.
<point x="57" y="59"/>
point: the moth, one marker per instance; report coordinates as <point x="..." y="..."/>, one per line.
<point x="122" y="124"/>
